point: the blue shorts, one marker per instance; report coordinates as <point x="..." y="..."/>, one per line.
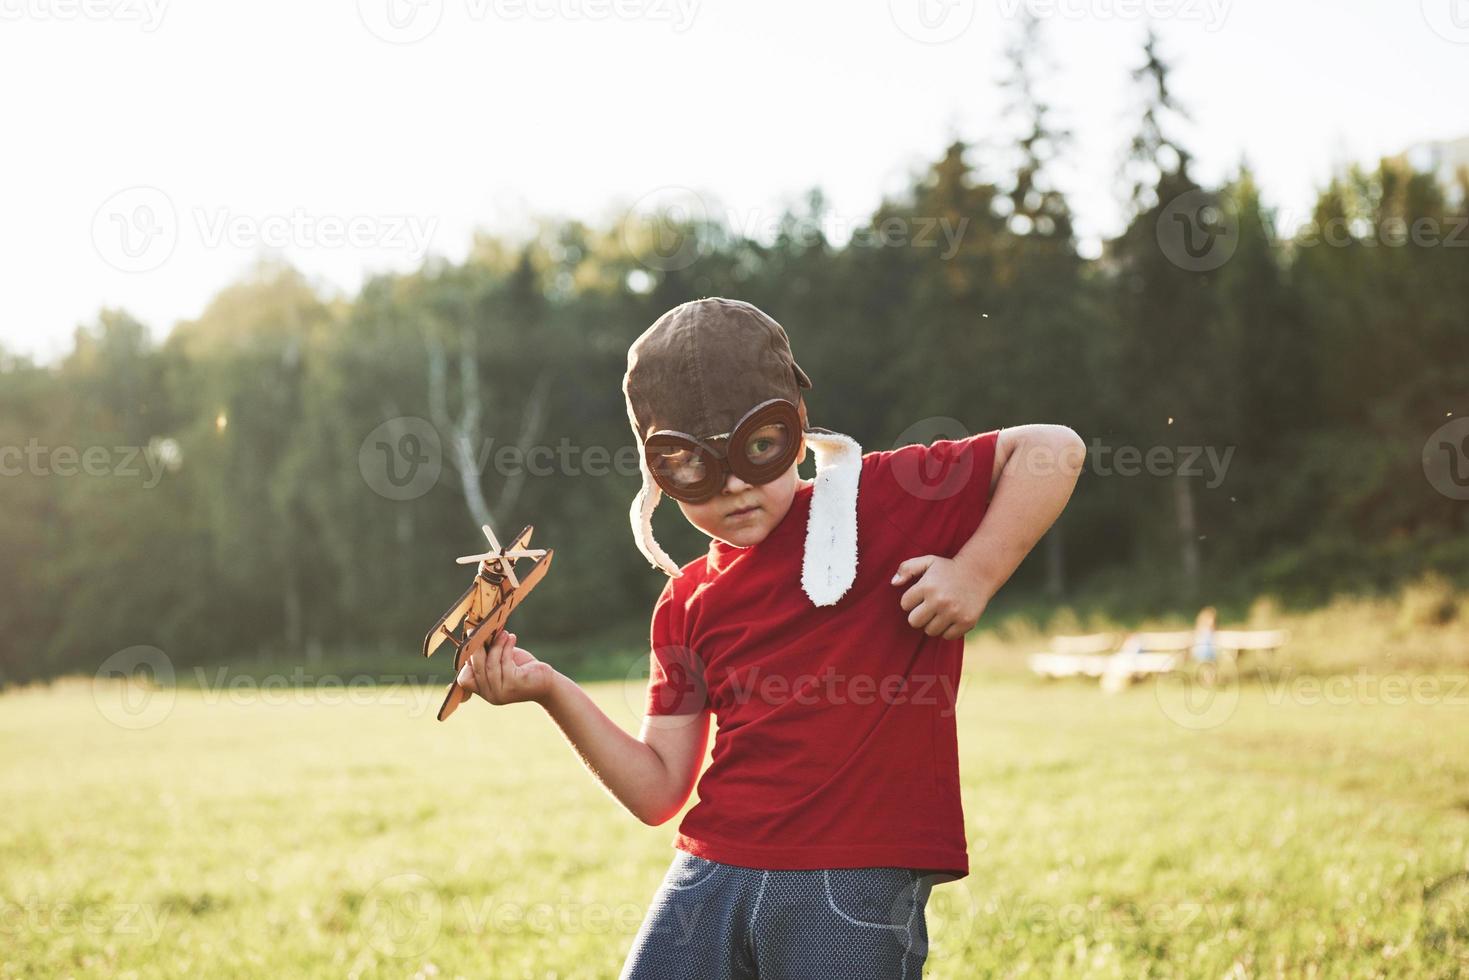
<point x="712" y="921"/>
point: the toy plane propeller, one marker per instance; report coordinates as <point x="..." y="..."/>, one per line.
<point x="484" y="607"/>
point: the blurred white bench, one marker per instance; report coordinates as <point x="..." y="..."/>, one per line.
<point x="1075" y="656"/>
<point x="1237" y="642"/>
<point x="1141" y="655"/>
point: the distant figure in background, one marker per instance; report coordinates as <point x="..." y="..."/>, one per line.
<point x="1203" y="650"/>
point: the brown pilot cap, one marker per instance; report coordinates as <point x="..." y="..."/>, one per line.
<point x="702" y="365"/>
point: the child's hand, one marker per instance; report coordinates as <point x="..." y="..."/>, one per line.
<point x="945" y="601"/>
<point x="502" y="673"/>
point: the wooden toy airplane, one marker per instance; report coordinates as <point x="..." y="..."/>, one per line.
<point x="490" y="599"/>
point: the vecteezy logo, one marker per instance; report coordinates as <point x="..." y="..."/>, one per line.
<point x="134" y="688"/>
<point x="681" y="696"/>
<point x="400" y="21"/>
<point x="1446" y="917"/>
<point x="401" y="916"/>
<point x="136" y="229"/>
<point x="1449" y="19"/>
<point x="1196" y="232"/>
<point x="932" y="21"/>
<point x="402" y="458"/>
<point x="1446" y="459"/>
<point x="927" y="475"/>
<point x="1190" y="703"/>
<point x="661" y="229"/>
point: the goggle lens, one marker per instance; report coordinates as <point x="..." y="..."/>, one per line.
<point x="683" y="468"/>
<point x="767" y="443"/>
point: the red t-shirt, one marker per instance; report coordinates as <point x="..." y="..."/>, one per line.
<point x="835" y="745"/>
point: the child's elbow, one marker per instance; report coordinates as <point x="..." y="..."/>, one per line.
<point x="1057" y="449"/>
<point x="655" y="807"/>
<point x="654" y="816"/>
<point x="1070" y="450"/>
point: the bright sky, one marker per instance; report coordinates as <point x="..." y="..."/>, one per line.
<point x="154" y="148"/>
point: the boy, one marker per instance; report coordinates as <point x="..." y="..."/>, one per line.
<point x="831" y="805"/>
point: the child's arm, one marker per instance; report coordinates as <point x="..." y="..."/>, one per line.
<point x="652" y="775"/>
<point x="1036" y="468"/>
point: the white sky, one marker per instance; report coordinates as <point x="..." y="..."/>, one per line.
<point x="245" y="121"/>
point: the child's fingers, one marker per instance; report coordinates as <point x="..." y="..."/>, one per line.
<point x="921" y="615"/>
<point x="484" y="668"/>
<point x="512" y="672"/>
<point x="913" y="598"/>
<point x="507" y="659"/>
<point x="466" y="677"/>
<point x="490" y="670"/>
<point x="503" y="645"/>
<point x="912" y="568"/>
<point x="479" y="661"/>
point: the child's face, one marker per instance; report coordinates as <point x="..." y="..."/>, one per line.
<point x="742" y="514"/>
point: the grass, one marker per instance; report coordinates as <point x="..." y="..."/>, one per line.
<point x="1279" y="829"/>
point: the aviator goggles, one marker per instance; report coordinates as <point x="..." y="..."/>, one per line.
<point x="761" y="447"/>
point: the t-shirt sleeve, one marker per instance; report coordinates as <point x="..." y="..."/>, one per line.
<point x="937" y="494"/>
<point x="676" y="684"/>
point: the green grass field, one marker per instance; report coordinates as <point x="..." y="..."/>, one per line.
<point x="1279" y="830"/>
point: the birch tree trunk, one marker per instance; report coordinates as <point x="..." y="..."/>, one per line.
<point x="463" y="435"/>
